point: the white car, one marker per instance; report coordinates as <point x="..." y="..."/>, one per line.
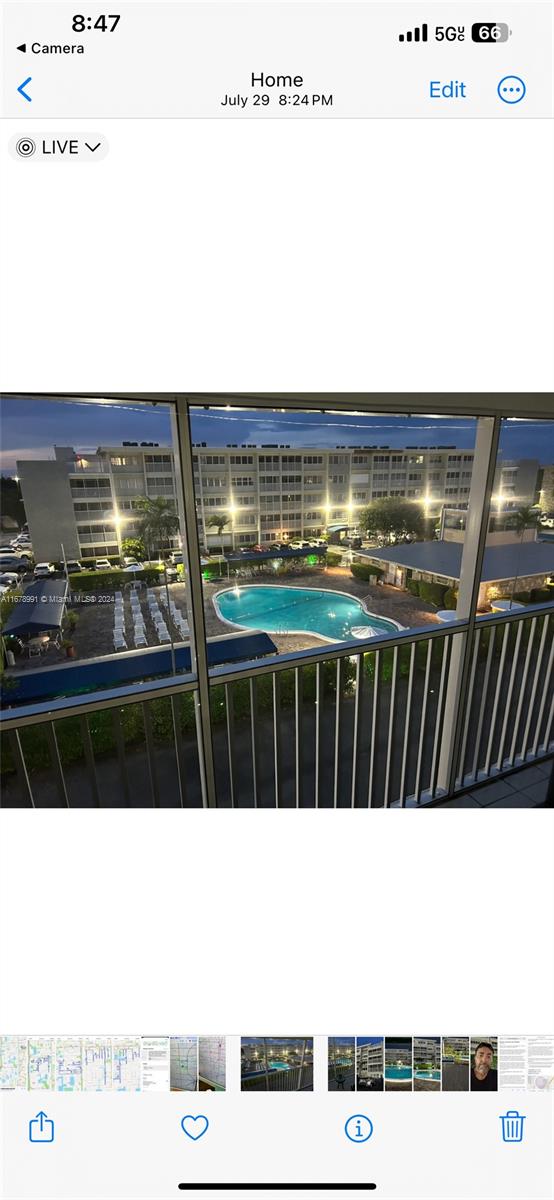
<point x="134" y="566"/>
<point x="133" y="562"/>
<point x="9" y="579"/>
<point x="43" y="570"/>
<point x="103" y="564"/>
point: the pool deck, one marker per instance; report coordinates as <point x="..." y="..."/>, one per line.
<point x="383" y="600"/>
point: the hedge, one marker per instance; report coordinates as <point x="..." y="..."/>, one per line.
<point x="98" y="581"/>
<point x="542" y="595"/>
<point x="433" y="593"/>
<point x="412" y="586"/>
<point x="35" y="743"/>
<point x="333" y="560"/>
<point x="364" y="571"/>
<point x="450" y="598"/>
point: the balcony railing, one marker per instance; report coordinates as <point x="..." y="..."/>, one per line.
<point x="356" y="725"/>
<point x="295" y="1079"/>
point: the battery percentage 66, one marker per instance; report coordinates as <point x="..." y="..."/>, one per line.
<point x="488" y="32"/>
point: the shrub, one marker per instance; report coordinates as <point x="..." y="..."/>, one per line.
<point x="450" y="598"/>
<point x="523" y="597"/>
<point x="541" y="595"/>
<point x="433" y="593"/>
<point x="364" y="571"/>
<point x="333" y="560"/>
<point x="412" y="586"/>
<point x="100" y="581"/>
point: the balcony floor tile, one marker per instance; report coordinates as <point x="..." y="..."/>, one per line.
<point x="516" y="800"/>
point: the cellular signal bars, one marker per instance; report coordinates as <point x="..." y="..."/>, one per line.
<point x="419" y="34"/>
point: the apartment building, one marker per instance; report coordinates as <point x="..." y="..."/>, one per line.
<point x="268" y="492"/>
<point x="427" y="1050"/>
<point x="369" y="1060"/>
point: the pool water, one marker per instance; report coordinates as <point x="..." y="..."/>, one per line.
<point x="398" y="1072"/>
<point x="277" y="609"/>
<point x="278" y="1066"/>
<point x="427" y="1074"/>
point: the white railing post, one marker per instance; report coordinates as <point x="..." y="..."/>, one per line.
<point x="473" y="549"/>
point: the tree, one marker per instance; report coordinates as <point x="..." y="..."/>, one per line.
<point x="133" y="547"/>
<point x="11" y="504"/>
<point x="525" y="518"/>
<point x="219" y="521"/>
<point x="392" y="518"/>
<point x="159" y="521"/>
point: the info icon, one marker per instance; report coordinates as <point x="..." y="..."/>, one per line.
<point x="358" y="1128"/>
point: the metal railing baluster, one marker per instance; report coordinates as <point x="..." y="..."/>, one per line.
<point x="483" y="705"/>
<point x="417" y="785"/>
<point x="508" y="703"/>
<point x="494" y="714"/>
<point x="522" y="686"/>
<point x="407" y="723"/>
<point x="337" y="733"/>
<point x="445" y="667"/>
<point x="392" y="715"/>
<point x="20" y="766"/>
<point x="150" y="755"/>
<point x="536" y="677"/>
<point x="372" y="745"/>
<point x="358" y="686"/>
<point x="120" y="746"/>
<point x="89" y="758"/>
<point x="468" y="706"/>
<point x="547" y="680"/>
<point x="57" y="763"/>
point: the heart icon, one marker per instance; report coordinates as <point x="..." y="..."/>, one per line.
<point x="194" y="1127"/>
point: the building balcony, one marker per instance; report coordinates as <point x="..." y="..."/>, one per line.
<point x="420" y="717"/>
<point x="379" y="724"/>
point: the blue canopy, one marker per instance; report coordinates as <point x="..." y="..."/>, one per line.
<point x="38" y="610"/>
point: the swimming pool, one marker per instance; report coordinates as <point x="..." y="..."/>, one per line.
<point x="398" y="1072"/>
<point x="427" y="1074"/>
<point x="275" y="609"/>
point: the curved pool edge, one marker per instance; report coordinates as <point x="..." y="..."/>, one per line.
<point x="306" y="632"/>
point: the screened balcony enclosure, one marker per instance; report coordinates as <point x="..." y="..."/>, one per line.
<point x="407" y="715"/>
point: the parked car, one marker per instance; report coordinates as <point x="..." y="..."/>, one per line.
<point x="72" y="565"/>
<point x="9" y="579"/>
<point x="278" y="546"/>
<point x="134" y="566"/>
<point x="12" y="562"/>
<point x="176" y="557"/>
<point x="170" y="573"/>
<point x="300" y="544"/>
<point x="129" y="561"/>
<point x="44" y="570"/>
<point x="102" y="564"/>
<point x="6" y="550"/>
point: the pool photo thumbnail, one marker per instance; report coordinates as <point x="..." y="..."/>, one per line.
<point x="277" y="1064"/>
<point x="427" y="1064"/>
<point x="398" y="1064"/>
<point x="341" y="1064"/>
<point x="455" y="1064"/>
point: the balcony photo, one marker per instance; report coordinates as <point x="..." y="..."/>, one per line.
<point x="276" y="602"/>
<point x="277" y="1064"/>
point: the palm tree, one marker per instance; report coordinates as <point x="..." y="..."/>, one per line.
<point x="525" y="518"/>
<point x="159" y="521"/>
<point x="219" y="520"/>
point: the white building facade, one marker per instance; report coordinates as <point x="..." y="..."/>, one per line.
<point x="267" y="493"/>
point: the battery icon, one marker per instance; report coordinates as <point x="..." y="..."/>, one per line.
<point x="489" y="32"/>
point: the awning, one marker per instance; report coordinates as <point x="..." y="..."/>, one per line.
<point x="338" y="528"/>
<point x="39" y="609"/>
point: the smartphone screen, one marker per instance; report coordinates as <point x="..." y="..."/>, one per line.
<point x="277" y="563"/>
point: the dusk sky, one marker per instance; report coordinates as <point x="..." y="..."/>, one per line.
<point x="30" y="428"/>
